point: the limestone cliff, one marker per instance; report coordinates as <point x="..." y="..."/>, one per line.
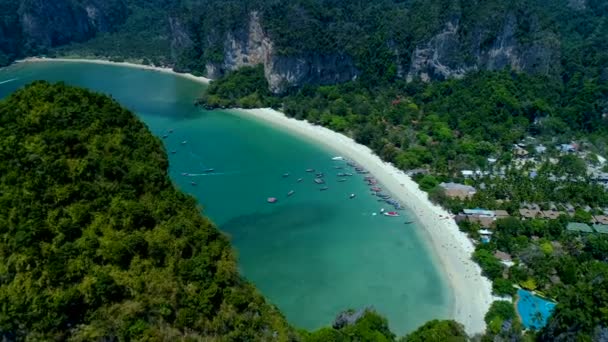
<point x="458" y="41"/>
<point x="452" y="54"/>
<point x="253" y="46"/>
<point x="33" y="26"/>
<point x="180" y="37"/>
<point x="283" y="72"/>
<point x="449" y="53"/>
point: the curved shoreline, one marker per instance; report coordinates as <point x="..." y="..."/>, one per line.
<point x="164" y="70"/>
<point x="472" y="293"/>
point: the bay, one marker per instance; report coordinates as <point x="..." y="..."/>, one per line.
<point x="314" y="253"/>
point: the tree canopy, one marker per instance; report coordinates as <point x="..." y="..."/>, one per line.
<point x="95" y="241"/>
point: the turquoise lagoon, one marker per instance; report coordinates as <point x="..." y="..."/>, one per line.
<point x="312" y="254"/>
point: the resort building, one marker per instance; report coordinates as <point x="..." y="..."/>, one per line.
<point x="518" y="151"/>
<point x="579" y="227"/>
<point x="485" y="218"/>
<point x="531" y="206"/>
<point x="500" y="214"/>
<point x="601" y="228"/>
<point x="471" y="173"/>
<point x="600" y="219"/>
<point x="415" y="172"/>
<point x="568" y="148"/>
<point x="569" y="208"/>
<point x="478" y="212"/>
<point x="483" y="221"/>
<point x="551" y="214"/>
<point x="530" y="213"/>
<point x="460" y="191"/>
<point x="540" y="149"/>
<point x="505" y="258"/>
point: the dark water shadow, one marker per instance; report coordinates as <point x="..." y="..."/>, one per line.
<point x="292" y="218"/>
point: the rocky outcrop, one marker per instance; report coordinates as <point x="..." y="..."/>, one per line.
<point x="438" y="59"/>
<point x="283" y="72"/>
<point x="349" y="317"/>
<point x="252" y="46"/>
<point x="105" y="15"/>
<point x="451" y="53"/>
<point x="247" y="47"/>
<point x="539" y="55"/>
<point x="33" y="26"/>
<point x="180" y="37"/>
<point x="52" y="23"/>
<point x="47" y="24"/>
<point x="30" y="27"/>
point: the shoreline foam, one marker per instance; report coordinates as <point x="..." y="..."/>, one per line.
<point x="164" y="70"/>
<point x="472" y="293"/>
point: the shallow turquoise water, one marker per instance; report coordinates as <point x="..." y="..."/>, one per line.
<point x="312" y="254"/>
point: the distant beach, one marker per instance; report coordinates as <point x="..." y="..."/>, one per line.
<point x="471" y="291"/>
<point x="165" y="70"/>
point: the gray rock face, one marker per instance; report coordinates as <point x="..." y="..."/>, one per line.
<point x="52" y="23"/>
<point x="253" y="46"/>
<point x="283" y="72"/>
<point x="43" y="24"/>
<point x="437" y="59"/>
<point x="449" y="54"/>
<point x="350" y="317"/>
<point x="180" y="38"/>
<point x="105" y="15"/>
<point x="248" y="47"/>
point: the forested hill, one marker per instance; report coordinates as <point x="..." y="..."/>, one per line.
<point x="97" y="244"/>
<point x="317" y="41"/>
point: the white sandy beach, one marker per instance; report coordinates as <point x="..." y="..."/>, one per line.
<point x="472" y="291"/>
<point x="198" y="79"/>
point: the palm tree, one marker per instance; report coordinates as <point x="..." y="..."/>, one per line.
<point x="537" y="319"/>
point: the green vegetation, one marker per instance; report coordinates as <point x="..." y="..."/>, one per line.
<point x="380" y="36"/>
<point x="247" y="88"/>
<point x="502" y="320"/>
<point x="142" y="37"/>
<point x="435" y="330"/>
<point x="369" y="327"/>
<point x="566" y="266"/>
<point x="461" y="124"/>
<point x="490" y="266"/>
<point x="445" y="126"/>
<point x="92" y="241"/>
<point x="97" y="243"/>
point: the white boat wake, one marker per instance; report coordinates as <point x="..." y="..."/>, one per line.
<point x="7" y="81"/>
<point x="211" y="174"/>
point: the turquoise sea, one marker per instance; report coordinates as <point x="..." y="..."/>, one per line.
<point x="314" y="253"/>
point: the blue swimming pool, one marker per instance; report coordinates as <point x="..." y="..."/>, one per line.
<point x="533" y="310"/>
